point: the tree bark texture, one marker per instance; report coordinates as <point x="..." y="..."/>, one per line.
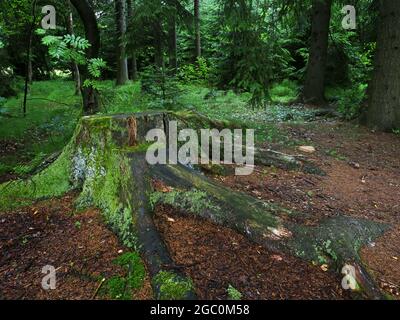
<point x="384" y="93"/>
<point x="314" y="86"/>
<point x="122" y="60"/>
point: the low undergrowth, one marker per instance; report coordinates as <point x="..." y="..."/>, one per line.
<point x="52" y="115"/>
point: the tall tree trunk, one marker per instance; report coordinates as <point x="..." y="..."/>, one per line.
<point x="197" y="28"/>
<point x="75" y="67"/>
<point x="172" y="42"/>
<point x="122" y="61"/>
<point x="30" y="71"/>
<point x="134" y="68"/>
<point x="314" y="86"/>
<point x="88" y="17"/>
<point x="133" y="72"/>
<point x="384" y="93"/>
<point x="158" y="44"/>
<point x="28" y="74"/>
<point x="77" y="79"/>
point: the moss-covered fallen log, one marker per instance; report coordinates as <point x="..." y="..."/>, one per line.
<point x="262" y="156"/>
<point x="105" y="161"/>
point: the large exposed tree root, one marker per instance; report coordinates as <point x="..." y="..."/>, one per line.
<point x="106" y="161"/>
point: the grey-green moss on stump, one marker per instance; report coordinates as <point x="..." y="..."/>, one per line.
<point x="100" y="161"/>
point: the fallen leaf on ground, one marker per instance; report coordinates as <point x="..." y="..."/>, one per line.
<point x="325" y="267"/>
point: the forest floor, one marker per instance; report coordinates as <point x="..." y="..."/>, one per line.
<point x="363" y="180"/>
<point x="79" y="246"/>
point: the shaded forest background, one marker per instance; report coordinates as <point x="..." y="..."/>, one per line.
<point x="245" y="46"/>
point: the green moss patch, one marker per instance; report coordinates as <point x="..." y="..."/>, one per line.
<point x="171" y="286"/>
<point x="122" y="288"/>
<point x="193" y="201"/>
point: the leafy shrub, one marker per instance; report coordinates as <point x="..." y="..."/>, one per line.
<point x="71" y="48"/>
<point x="95" y="65"/>
<point x="66" y="48"/>
<point x="198" y="72"/>
<point x="162" y="86"/>
<point x="361" y="70"/>
<point x="285" y="92"/>
<point x="349" y="103"/>
<point x="121" y="99"/>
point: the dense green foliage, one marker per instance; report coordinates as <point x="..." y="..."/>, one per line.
<point x="248" y="46"/>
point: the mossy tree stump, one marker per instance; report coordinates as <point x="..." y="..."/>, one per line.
<point x="106" y="161"/>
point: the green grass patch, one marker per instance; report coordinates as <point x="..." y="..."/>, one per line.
<point x="52" y="114"/>
<point x="122" y="99"/>
<point x="234" y="108"/>
<point x="284" y="92"/>
<point x="49" y="103"/>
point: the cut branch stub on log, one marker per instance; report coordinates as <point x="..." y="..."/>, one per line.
<point x="106" y="161"/>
